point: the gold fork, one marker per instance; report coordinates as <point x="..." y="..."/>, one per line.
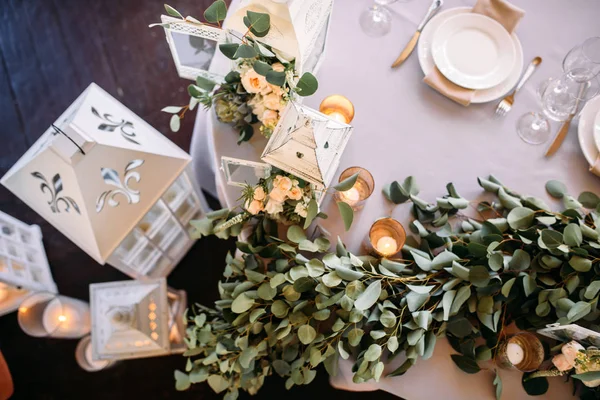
<point x="506" y="104"/>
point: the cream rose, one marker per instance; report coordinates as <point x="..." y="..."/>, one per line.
<point x="273" y="207"/>
<point x="301" y="209"/>
<point x="254" y="207"/>
<point x="270" y="117"/>
<point x="285" y="184"/>
<point x="253" y="82"/>
<point x="272" y="101"/>
<point x="278" y="195"/>
<point x="295" y="193"/>
<point x="570" y="351"/>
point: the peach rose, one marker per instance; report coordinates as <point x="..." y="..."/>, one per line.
<point x="295" y="193"/>
<point x="272" y="101"/>
<point x="561" y="362"/>
<point x="254" y="207"/>
<point x="278" y="195"/>
<point x="273" y="207"/>
<point x="270" y="117"/>
<point x="253" y="82"/>
<point x="259" y="193"/>
<point x="276" y="90"/>
<point x="278" y="67"/>
<point x="284" y="184"/>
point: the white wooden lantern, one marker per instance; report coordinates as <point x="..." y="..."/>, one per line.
<point x="112" y="184"/>
<point x="193" y="47"/>
<point x="135" y="319"/>
<point x="299" y="28"/>
<point x="23" y="263"/>
<point x="307" y="144"/>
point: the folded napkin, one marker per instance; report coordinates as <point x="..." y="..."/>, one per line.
<point x="595" y="167"/>
<point x="500" y="10"/>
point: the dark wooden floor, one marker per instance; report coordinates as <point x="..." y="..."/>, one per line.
<point x="50" y="51"/>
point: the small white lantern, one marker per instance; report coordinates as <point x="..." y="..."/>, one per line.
<point x="307" y="144"/>
<point x="298" y="28"/>
<point x="112" y="184"/>
<point x="135" y="319"/>
<point x="193" y="47"/>
<point x="23" y="263"/>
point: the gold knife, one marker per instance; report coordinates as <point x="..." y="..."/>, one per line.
<point x="433" y="8"/>
<point x="564" y="129"/>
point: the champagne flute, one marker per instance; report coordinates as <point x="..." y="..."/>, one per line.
<point x="583" y="61"/>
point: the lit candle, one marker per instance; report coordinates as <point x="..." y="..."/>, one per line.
<point x="387" y="245"/>
<point x="515" y="353"/>
<point x="65" y="319"/>
<point x="351" y="196"/>
<point x="339" y="117"/>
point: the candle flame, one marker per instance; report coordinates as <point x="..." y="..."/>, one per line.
<point x="62" y="318"/>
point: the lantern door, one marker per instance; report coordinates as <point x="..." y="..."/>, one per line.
<point x="243" y="172"/>
<point x="193" y="46"/>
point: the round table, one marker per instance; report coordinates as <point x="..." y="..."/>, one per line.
<point x="403" y="128"/>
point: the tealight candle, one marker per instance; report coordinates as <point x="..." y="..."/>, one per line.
<point x="363" y="187"/>
<point x="85" y="357"/>
<point x="338" y="107"/>
<point x="514" y="352"/>
<point x="387" y="245"/>
<point x="523" y="351"/>
<point x="47" y="314"/>
<point x="386" y="237"/>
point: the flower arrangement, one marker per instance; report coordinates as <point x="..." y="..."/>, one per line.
<point x="290" y="303"/>
<point x="282" y="197"/>
<point x="262" y="81"/>
<point x="577" y="362"/>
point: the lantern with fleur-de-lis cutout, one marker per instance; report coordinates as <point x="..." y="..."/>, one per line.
<point x="298" y="28"/>
<point x="112" y="184"/>
<point x="23" y="264"/>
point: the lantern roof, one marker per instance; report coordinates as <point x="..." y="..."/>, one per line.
<point x="307" y="144"/>
<point x="96" y="172"/>
<point x="129" y="319"/>
<point x="296" y="25"/>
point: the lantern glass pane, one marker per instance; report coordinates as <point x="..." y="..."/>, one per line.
<point x="194" y="51"/>
<point x="188" y="208"/>
<point x="154" y="218"/>
<point x="178" y="191"/>
<point x="241" y="172"/>
<point x="179" y="242"/>
<point x="4" y="266"/>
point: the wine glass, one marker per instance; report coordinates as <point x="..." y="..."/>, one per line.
<point x="376" y="21"/>
<point x="560" y="98"/>
<point x="583" y="61"/>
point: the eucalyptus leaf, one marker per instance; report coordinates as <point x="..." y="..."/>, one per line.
<point x="216" y="12"/>
<point x="556" y="189"/>
<point x="347" y="183"/>
<point x="307" y="85"/>
<point x="589" y="200"/>
<point x="307" y="334"/>
<point x="346" y="213"/>
<point x="173" y="12"/>
<point x="520" y="218"/>
<point x="369" y="297"/>
<point x="467" y="364"/>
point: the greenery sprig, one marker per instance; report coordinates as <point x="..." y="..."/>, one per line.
<point x="293" y="304"/>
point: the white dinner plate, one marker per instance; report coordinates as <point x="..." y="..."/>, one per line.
<point x="427" y="64"/>
<point x="585" y="130"/>
<point x="473" y="50"/>
<point x="597" y="130"/>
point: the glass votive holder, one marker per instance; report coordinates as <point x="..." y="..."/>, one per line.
<point x="44" y="314"/>
<point x="84" y="357"/>
<point x="386" y="237"/>
<point x="522" y="351"/>
<point x="338" y="107"/>
<point x="364" y="186"/>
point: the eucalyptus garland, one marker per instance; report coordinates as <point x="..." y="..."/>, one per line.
<point x="289" y="305"/>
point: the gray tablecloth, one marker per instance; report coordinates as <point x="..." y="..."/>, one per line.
<point x="403" y="128"/>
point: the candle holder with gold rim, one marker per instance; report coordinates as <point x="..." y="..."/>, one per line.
<point x="364" y="186"/>
<point x="386" y="237"/>
<point x="338" y="107"/>
<point x="532" y="352"/>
